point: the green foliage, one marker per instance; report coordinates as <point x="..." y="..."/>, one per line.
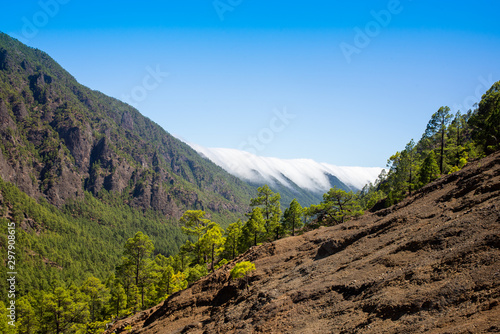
<point x="292" y="218"/>
<point x="5" y="327"/>
<point x="437" y="127"/>
<point x="194" y="273"/>
<point x="164" y="279"/>
<point x="136" y="260"/>
<point x="271" y="210"/>
<point x="233" y="235"/>
<point x="242" y="269"/>
<point x="221" y="263"/>
<point x="64" y="310"/>
<point x="212" y="242"/>
<point x="337" y="207"/>
<point x="402" y="176"/>
<point x="253" y="229"/>
<point x="430" y="170"/>
<point x="371" y="194"/>
<point x="447" y="144"/>
<point x="55" y="246"/>
<point x="209" y="236"/>
<point x="98" y="296"/>
<point x="136" y="254"/>
<point x="194" y="222"/>
<point x="118" y="299"/>
<point x="27" y="322"/>
<point x="485" y="121"/>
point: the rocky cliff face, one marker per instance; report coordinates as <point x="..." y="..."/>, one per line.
<point x="429" y="264"/>
<point x="59" y="139"/>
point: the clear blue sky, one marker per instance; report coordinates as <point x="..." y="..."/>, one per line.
<point x="358" y="79"/>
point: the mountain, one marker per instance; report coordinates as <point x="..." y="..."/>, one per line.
<point x="426" y="265"/>
<point x="60" y="139"/>
<point x="305" y="179"/>
<point x="81" y="172"/>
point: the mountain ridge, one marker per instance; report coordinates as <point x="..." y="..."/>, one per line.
<point x="305" y="178"/>
<point x="79" y="168"/>
<point x="60" y="139"/>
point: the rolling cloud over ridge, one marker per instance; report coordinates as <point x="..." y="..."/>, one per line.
<point x="304" y="173"/>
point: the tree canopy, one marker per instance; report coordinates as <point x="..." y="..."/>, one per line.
<point x="337" y="207"/>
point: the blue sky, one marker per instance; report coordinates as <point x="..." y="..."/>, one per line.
<point x="347" y="83"/>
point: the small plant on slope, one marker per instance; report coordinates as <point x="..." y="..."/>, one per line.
<point x="241" y="270"/>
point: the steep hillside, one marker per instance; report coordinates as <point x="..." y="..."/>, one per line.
<point x="59" y="139"/>
<point x="430" y="264"/>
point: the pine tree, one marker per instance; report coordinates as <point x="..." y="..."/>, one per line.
<point x="271" y="211"/>
<point x="253" y="228"/>
<point x="241" y="270"/>
<point x="165" y="284"/>
<point x="437" y="126"/>
<point x="134" y="299"/>
<point x="26" y="322"/>
<point x="292" y="218"/>
<point x="182" y="258"/>
<point x="179" y="281"/>
<point x="409" y="160"/>
<point x="212" y="241"/>
<point x="337" y="207"/>
<point x="371" y="194"/>
<point x="194" y="223"/>
<point x="429" y="170"/>
<point x="485" y="121"/>
<point x="460" y="146"/>
<point x="137" y="256"/>
<point x="232" y="233"/>
<point x="98" y="297"/>
<point x="195" y="272"/>
<point x="126" y="275"/>
<point x="118" y="298"/>
<point x="65" y="309"/>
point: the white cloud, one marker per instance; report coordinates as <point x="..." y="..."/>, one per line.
<point x="305" y="173"/>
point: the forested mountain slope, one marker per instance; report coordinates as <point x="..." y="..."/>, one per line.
<point x="60" y="139"/>
<point x="427" y="264"/>
<point x="81" y="172"/>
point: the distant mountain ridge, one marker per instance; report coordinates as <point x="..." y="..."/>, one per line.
<point x="303" y="175"/>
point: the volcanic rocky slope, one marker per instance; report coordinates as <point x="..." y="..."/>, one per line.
<point x="430" y="264"/>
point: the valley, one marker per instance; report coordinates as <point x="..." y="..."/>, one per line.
<point x="120" y="227"/>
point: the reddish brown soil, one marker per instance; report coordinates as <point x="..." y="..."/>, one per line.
<point x="430" y="264"/>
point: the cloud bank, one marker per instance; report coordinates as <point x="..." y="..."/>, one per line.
<point x="305" y="173"/>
